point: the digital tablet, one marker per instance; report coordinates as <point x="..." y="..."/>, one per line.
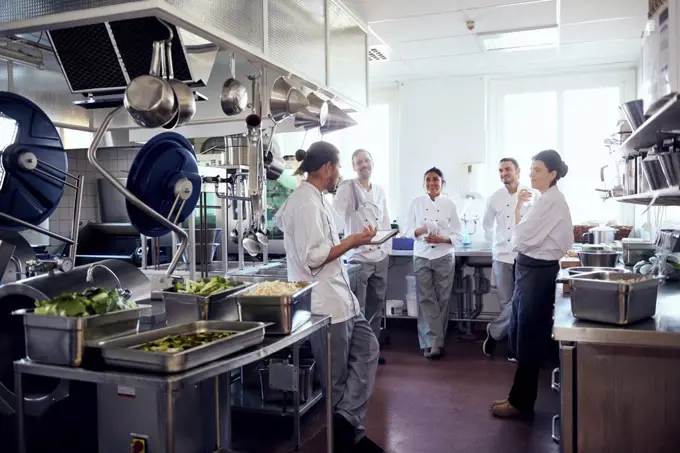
<point x="382" y="236"/>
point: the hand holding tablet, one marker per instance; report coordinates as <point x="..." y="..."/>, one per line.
<point x="383" y="236"/>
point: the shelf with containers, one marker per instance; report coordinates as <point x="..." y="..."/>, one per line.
<point x="659" y="171"/>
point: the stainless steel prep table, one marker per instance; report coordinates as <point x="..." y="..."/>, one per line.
<point x="618" y="384"/>
<point x="170" y="385"/>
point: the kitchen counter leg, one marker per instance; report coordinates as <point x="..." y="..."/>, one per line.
<point x="296" y="397"/>
<point x="19" y="393"/>
<point x="329" y="392"/>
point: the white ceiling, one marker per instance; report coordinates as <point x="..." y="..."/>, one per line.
<point x="429" y="38"/>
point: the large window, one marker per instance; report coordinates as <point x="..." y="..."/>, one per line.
<point x="571" y="115"/>
<point x="373" y="132"/>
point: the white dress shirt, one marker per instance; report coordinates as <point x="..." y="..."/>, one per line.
<point x="309" y="233"/>
<point x="441" y="217"/>
<point x="360" y="208"/>
<point x="499" y="222"/>
<point x="546" y="232"/>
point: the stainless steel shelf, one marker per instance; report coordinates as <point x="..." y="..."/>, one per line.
<point x="663" y="197"/>
<point x="657" y="127"/>
<point x="250" y="400"/>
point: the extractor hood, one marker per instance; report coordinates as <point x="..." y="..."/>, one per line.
<point x="103" y="58"/>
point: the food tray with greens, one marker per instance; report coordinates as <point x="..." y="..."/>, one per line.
<point x="182" y="347"/>
<point x="205" y="300"/>
<point x="57" y="331"/>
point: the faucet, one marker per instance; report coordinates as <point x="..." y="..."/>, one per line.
<point x="19" y="268"/>
<point x="89" y="277"/>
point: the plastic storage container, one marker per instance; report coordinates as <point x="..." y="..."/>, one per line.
<point x="412" y="305"/>
<point x="411" y="284"/>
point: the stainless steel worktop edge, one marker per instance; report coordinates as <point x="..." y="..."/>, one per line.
<point x="663" y="330"/>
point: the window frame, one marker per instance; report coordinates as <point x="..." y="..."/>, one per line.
<point x="498" y="87"/>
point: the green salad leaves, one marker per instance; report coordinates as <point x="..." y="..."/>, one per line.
<point x="92" y="301"/>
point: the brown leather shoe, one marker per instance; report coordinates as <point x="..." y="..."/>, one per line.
<point x="498" y="402"/>
<point x="507" y="410"/>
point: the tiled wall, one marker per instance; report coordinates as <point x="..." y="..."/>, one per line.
<point x="116" y="161"/>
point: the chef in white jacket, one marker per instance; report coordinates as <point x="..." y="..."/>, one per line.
<point x="433" y="222"/>
<point x="541" y="238"/>
<point x="499" y="224"/>
<point x="314" y="253"/>
<point x="361" y="203"/>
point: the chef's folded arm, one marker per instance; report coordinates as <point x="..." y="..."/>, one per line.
<point x="340" y="204"/>
<point x="410" y="225"/>
<point x="539" y="222"/>
<point x="488" y="221"/>
<point x="455" y="232"/>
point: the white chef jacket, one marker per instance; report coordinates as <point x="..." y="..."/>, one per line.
<point x="309" y="233"/>
<point x="499" y="222"/>
<point x="546" y="232"/>
<point x="442" y="213"/>
<point x="360" y="208"/>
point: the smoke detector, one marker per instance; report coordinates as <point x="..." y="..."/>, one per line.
<point x="378" y="53"/>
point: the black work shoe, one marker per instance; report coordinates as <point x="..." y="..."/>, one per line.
<point x="344" y="435"/>
<point x="366" y="445"/>
<point x="489" y="345"/>
<point x="381" y="361"/>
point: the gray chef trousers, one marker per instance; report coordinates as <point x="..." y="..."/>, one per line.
<point x="434" y="282"/>
<point x="371" y="290"/>
<point x="504" y="274"/>
<point x="355" y="352"/>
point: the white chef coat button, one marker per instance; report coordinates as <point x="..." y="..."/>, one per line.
<point x="508" y="240"/>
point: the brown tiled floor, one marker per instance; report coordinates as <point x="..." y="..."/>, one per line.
<point x="426" y="407"/>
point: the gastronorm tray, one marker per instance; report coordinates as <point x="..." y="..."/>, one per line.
<point x="286" y="312"/>
<point x="181" y="308"/>
<point x="613" y="297"/>
<point x="121" y="352"/>
<point x="61" y="340"/>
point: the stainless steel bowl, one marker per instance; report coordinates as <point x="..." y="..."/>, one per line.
<point x="585" y="270"/>
<point x="598" y="258"/>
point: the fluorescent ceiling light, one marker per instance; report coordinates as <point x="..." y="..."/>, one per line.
<point x="526" y="39"/>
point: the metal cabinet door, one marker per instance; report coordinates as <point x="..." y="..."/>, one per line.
<point x="567" y="389"/>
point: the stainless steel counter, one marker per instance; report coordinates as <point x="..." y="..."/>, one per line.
<point x="480" y="249"/>
<point x="170" y="382"/>
<point x="662" y="331"/>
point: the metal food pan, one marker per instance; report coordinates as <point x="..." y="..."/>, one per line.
<point x="286" y="313"/>
<point x="121" y="352"/>
<point x="613" y="297"/>
<point x="181" y="308"/>
<point x="305" y="291"/>
<point x="62" y="340"/>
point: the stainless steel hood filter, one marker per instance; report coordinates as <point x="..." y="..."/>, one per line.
<point x="337" y="120"/>
<point x="103" y="58"/>
<point x="314" y="115"/>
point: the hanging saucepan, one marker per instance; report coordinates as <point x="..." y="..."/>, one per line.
<point x="184" y="96"/>
<point x="186" y="101"/>
<point x="285" y="100"/>
<point x="149" y="99"/>
<point x="314" y="115"/>
<point x="234" y="97"/>
<point x="337" y="120"/>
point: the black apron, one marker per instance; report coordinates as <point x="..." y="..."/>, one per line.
<point x="533" y="301"/>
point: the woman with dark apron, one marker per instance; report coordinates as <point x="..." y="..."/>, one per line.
<point x="541" y="238"/>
